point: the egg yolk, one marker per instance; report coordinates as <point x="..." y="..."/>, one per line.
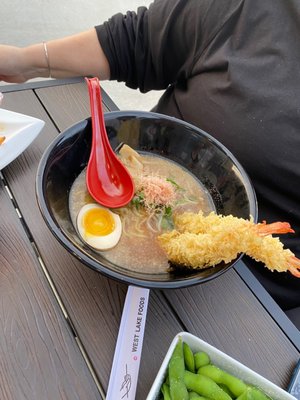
<point x="98" y="222"/>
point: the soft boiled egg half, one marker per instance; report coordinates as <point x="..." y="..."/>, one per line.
<point x="99" y="227"/>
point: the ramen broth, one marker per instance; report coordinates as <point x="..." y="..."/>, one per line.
<point x="138" y="249"/>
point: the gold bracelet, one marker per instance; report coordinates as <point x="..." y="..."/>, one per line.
<point x="47" y="58"/>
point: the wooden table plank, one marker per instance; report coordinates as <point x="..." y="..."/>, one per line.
<point x="67" y="104"/>
<point x="94" y="303"/>
<point x="280" y="316"/>
<point x="39" y="358"/>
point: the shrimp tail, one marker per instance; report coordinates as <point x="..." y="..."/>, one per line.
<point x="294" y="268"/>
<point x="264" y="229"/>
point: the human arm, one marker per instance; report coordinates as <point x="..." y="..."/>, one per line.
<point x="150" y="49"/>
<point x="76" y="55"/>
<point x="82" y="54"/>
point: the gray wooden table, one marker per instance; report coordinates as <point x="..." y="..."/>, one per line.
<point x="59" y="319"/>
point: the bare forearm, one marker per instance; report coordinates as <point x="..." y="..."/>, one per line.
<point x="80" y="54"/>
<point x="77" y="55"/>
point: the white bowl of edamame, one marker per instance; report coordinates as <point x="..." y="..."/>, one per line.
<point x="189" y="357"/>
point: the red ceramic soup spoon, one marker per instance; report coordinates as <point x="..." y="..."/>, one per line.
<point x="107" y="179"/>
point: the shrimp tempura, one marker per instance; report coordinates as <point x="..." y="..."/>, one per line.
<point x="200" y="241"/>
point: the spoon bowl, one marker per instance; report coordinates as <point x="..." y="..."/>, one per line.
<point x="107" y="179"/>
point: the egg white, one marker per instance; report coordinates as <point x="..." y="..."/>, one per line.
<point x="104" y="242"/>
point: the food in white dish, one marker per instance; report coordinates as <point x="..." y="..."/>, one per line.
<point x="221" y="360"/>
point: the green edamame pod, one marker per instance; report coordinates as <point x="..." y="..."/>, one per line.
<point x="178" y="390"/>
<point x="225" y="388"/>
<point x="196" y="396"/>
<point x="244" y="396"/>
<point x="252" y="393"/>
<point x="201" y="358"/>
<point x="204" y="386"/>
<point x="235" y="385"/>
<point x="166" y="391"/>
<point x="258" y="394"/>
<point x="188" y="358"/>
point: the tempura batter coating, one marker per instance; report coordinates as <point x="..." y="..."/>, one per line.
<point x="200" y="241"/>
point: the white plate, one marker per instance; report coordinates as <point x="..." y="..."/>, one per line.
<point x="223" y="361"/>
<point x="19" y="131"/>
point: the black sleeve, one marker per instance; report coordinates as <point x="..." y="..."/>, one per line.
<point x="124" y="40"/>
<point x="143" y="48"/>
<point x="153" y="48"/>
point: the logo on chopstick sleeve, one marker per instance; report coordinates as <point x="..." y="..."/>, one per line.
<point x="126" y="384"/>
<point x="138" y="325"/>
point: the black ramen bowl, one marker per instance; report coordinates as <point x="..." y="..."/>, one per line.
<point x="222" y="175"/>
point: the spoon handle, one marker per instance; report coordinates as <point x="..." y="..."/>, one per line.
<point x="99" y="141"/>
<point x="127" y="357"/>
